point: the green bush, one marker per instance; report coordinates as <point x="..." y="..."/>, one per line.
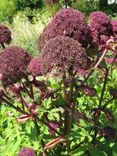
<point x="7" y="9"/>
<point x="22" y="4"/>
<point x="85" y="6"/>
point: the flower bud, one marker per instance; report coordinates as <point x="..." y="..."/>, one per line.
<point x="89" y="91"/>
<point x="27" y="152"/>
<point x="109" y="132"/>
<point x="54" y="125"/>
<point x="113" y="92"/>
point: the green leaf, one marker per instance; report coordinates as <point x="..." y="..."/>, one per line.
<point x="53" y="83"/>
<point x="95" y="152"/>
<point x="79" y="151"/>
<point x="114" y="149"/>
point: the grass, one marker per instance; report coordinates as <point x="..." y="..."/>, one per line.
<point x="25" y="33"/>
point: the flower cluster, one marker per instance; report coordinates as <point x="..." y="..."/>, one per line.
<point x="63" y="53"/>
<point x="13" y="64"/>
<point x="35" y="66"/>
<point x="114" y="26"/>
<point x="27" y="152"/>
<point x="72" y="23"/>
<point x="67" y="22"/>
<point x="5" y="34"/>
<point x="101" y="28"/>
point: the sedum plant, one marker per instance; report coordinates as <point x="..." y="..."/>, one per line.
<point x="59" y="91"/>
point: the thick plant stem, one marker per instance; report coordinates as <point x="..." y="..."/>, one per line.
<point x="68" y="147"/>
<point x="95" y="136"/>
<point x="19" y="96"/>
<point x="11" y="105"/>
<point x="31" y="94"/>
<point x="100" y="100"/>
<point x="69" y="108"/>
<point x="104" y="86"/>
<point x="37" y="127"/>
<point x="66" y="98"/>
<point x="65" y="3"/>
<point x="31" y="91"/>
<point x="3" y="46"/>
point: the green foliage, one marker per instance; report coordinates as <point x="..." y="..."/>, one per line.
<point x="25" y="33"/>
<point x="33" y="4"/>
<point x="16" y="135"/>
<point x="85" y="6"/>
<point x="7" y="10"/>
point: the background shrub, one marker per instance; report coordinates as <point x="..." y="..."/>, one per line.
<point x="33" y="4"/>
<point x="7" y="9"/>
<point x="25" y="32"/>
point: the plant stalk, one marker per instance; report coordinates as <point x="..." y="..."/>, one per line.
<point x="104" y="86"/>
<point x="3" y="46"/>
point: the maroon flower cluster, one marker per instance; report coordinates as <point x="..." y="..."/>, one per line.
<point x="13" y="64"/>
<point x="27" y="152"/>
<point x="63" y="53"/>
<point x="35" y="66"/>
<point x="101" y="28"/>
<point x="67" y="22"/>
<point x="72" y="24"/>
<point x="5" y="34"/>
<point x="114" y="26"/>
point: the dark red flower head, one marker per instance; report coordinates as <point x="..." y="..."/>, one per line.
<point x="114" y="26"/>
<point x="67" y="22"/>
<point x="100" y="25"/>
<point x="5" y="34"/>
<point x="27" y="152"/>
<point x="34" y="66"/>
<point x="13" y="64"/>
<point x="61" y="54"/>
